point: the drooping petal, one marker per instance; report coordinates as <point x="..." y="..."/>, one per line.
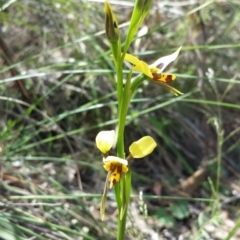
<point x="142" y="147"/>
<point x="168" y="87"/>
<point x="163" y="62"/>
<point x="105" y="140"/>
<point x="104" y="196"/>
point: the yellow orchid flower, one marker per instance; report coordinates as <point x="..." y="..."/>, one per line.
<point x="105" y="141"/>
<point x="154" y="71"/>
<point x="142" y="147"/>
<point x="116" y="166"/>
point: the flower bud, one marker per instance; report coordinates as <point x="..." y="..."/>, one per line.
<point x="111" y="25"/>
<point x="143" y="5"/>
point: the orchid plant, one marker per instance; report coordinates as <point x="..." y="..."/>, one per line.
<point x="118" y="167"/>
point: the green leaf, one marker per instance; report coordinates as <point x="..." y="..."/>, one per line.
<point x="165" y="219"/>
<point x="180" y="209"/>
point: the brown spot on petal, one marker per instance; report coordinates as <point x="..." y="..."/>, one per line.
<point x="167" y="78"/>
<point x="114" y="181"/>
<point x="112" y="167"/>
<point x="119" y="168"/>
<point x="156" y="76"/>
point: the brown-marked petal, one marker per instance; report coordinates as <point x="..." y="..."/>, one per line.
<point x="167" y="78"/>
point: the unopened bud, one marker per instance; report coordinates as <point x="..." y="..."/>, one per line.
<point x="143" y="5"/>
<point x="111" y="25"/>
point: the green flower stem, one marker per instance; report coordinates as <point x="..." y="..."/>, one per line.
<point x="125" y="184"/>
<point x="118" y="196"/>
<point x="122" y="225"/>
<point x="122" y="220"/>
<point x="116" y="50"/>
<point x="123" y="188"/>
<point x="123" y="104"/>
<point x="124" y="94"/>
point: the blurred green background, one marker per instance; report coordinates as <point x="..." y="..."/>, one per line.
<point x="57" y="92"/>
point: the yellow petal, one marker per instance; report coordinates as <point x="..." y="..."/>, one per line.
<point x="107" y="166"/>
<point x="155" y="70"/>
<point x="124" y="169"/>
<point x="142" y="147"/>
<point x="140" y="66"/>
<point x="167" y="78"/>
<point x="143" y="68"/>
<point x="114" y="178"/>
<point x="130" y="58"/>
<point x="105" y="140"/>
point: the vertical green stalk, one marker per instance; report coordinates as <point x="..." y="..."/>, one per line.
<point x="112" y="33"/>
<point x="122" y="221"/>
<point x="123" y="104"/>
<point x="116" y="50"/>
<point x="124" y="94"/>
<point x="121" y="227"/>
<point x="121" y="120"/>
<point x="125" y="182"/>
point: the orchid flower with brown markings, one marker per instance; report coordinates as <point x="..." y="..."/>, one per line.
<point x="118" y="167"/>
<point x="154" y="71"/>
